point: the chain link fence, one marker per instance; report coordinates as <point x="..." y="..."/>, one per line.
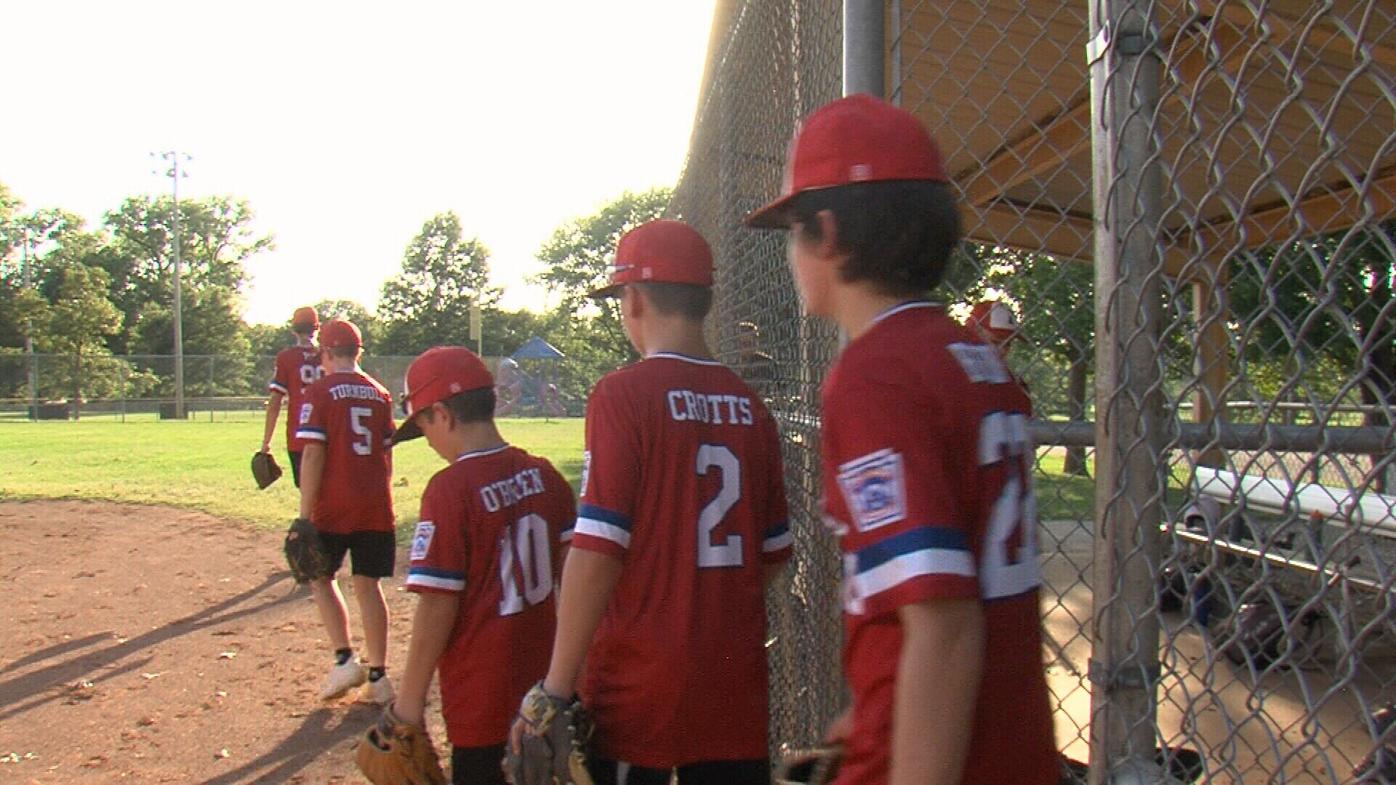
<point x="62" y="387"/>
<point x="1192" y="207"/>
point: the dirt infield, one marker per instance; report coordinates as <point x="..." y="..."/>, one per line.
<point x="145" y="644"/>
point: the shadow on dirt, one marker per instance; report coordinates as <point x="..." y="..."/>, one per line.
<point x="56" y="681"/>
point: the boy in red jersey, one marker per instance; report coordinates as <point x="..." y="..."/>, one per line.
<point x="926" y="467"/>
<point x="297" y="367"/>
<point x="346" y="423"/>
<point x="485" y="557"/>
<point x="995" y="324"/>
<point x="681" y="526"/>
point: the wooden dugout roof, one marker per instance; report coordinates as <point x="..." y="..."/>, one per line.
<point x="1276" y="124"/>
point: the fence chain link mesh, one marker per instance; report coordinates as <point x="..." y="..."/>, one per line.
<point x="1260" y="139"/>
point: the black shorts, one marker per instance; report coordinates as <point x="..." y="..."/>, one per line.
<point x="712" y="772"/>
<point x="477" y="765"/>
<point x="373" y="553"/>
<point x="295" y="466"/>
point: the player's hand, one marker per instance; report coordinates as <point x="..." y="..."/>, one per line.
<point x="840" y="728"/>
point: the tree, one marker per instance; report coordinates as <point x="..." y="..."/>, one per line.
<point x="362" y="318"/>
<point x="579" y="254"/>
<point x="74" y="321"/>
<point x="1056" y="298"/>
<point x="216" y="240"/>
<point x="428" y="302"/>
<point x="265" y="340"/>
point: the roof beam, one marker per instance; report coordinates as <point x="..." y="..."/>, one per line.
<point x="1323" y="212"/>
<point x="1323" y="38"/>
<point x="1063" y="236"/>
<point x="1051" y="144"/>
<point x="1030" y="229"/>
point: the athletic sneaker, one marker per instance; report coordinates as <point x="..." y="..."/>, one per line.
<point x="379" y="692"/>
<point x="343" y="678"/>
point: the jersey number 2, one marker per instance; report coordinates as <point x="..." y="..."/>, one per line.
<point x="1008" y="565"/>
<point x="525" y="540"/>
<point x="726" y="551"/>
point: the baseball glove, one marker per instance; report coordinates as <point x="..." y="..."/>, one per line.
<point x="815" y="766"/>
<point x="552" y="750"/>
<point x="264" y="469"/>
<point x="305" y="553"/>
<point x="395" y="752"/>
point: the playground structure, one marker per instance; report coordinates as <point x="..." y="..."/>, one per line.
<point x="519" y="392"/>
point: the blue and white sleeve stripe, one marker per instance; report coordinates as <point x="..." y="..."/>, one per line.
<point x="276" y="386"/>
<point x="778" y="537"/>
<point x="924" y="551"/>
<point x="314" y="434"/>
<point x="603" y="523"/>
<point x="432" y="578"/>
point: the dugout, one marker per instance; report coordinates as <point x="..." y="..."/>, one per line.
<point x="1189" y="155"/>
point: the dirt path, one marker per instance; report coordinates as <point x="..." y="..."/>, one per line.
<point x="144" y="644"/>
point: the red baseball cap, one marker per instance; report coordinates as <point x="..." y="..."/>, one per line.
<point x="437" y="374"/>
<point x="660" y="252"/>
<point x="305" y="316"/>
<point x="340" y="332"/>
<point x="855" y="139"/>
<point x="997" y="320"/>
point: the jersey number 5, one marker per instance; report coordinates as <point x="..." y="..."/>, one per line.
<point x="363" y="445"/>
<point x="714" y="551"/>
<point x="525" y="541"/>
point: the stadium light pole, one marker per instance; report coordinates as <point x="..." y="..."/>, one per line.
<point x="33" y="373"/>
<point x="174" y="173"/>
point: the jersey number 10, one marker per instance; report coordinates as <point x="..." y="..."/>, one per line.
<point x="525" y="541"/>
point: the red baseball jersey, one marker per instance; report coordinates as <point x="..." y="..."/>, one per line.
<point x="682" y="480"/>
<point x="927" y="471"/>
<point x="352" y="415"/>
<point x="492" y="530"/>
<point x="297" y="367"/>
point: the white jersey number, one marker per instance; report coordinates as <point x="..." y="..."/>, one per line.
<point x="725" y="551"/>
<point x="364" y="444"/>
<point x="525" y="542"/>
<point x="1008" y="565"/>
<point x="310" y="374"/>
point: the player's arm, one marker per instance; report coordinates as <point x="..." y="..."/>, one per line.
<point x="312" y="472"/>
<point x="937" y="683"/>
<point x="588" y="579"/>
<point x="770" y="572"/>
<point x="273" y="414"/>
<point x="431" y="631"/>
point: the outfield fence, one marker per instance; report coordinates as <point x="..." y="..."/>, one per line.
<point x="62" y="387"/>
<point x="1190" y="203"/>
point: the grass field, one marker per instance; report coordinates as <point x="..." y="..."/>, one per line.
<point x="203" y="465"/>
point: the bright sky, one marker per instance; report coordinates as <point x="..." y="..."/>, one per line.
<point x="347" y="125"/>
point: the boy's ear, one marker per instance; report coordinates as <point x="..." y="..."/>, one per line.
<point x="830" y="244"/>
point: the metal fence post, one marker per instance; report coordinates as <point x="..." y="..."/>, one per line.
<point x="864" y="45"/>
<point x="1124" y="667"/>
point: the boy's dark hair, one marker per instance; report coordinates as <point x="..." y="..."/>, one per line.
<point x="678" y="299"/>
<point x="471" y="406"/>
<point x="898" y="233"/>
<point x="343" y="352"/>
<point x="305" y="329"/>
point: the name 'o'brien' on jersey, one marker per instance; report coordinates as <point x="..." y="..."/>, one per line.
<point x="511" y="490"/>
<point x="712" y="408"/>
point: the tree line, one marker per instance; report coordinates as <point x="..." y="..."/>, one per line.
<point x="103" y="296"/>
